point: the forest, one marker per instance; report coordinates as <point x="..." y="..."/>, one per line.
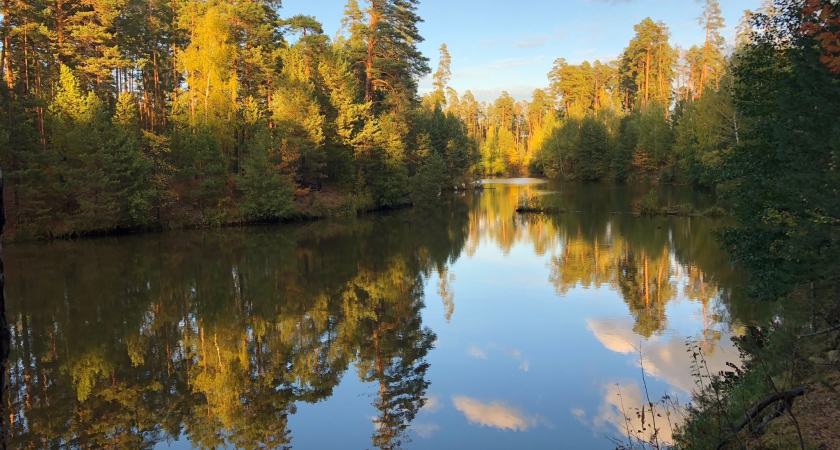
<point x="119" y="115"/>
<point x="132" y="115"/>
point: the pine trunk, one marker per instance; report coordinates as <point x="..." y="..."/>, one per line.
<point x="5" y="60"/>
<point x="647" y="76"/>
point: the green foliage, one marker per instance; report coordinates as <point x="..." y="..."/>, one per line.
<point x="593" y="150"/>
<point x="426" y="185"/>
<point x="714" y="212"/>
<point x="655" y="141"/>
<point x="390" y="29"/>
<point x="205" y="166"/>
<point x="783" y="172"/>
<point x="622" y="161"/>
<point x="650" y="204"/>
<point x="219" y="102"/>
<point x="560" y="148"/>
<point x="268" y="190"/>
<point x="779" y="177"/>
<point x="390" y="185"/>
<point x="705" y="131"/>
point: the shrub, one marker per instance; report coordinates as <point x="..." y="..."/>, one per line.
<point x="684" y="210"/>
<point x="425" y="186"/>
<point x="650" y="204"/>
<point x="714" y="212"/>
<point x="541" y="204"/>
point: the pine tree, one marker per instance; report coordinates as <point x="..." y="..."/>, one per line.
<point x="265" y="180"/>
<point x="593" y="150"/>
<point x="712" y="21"/>
<point x="383" y="43"/>
<point x="441" y="77"/>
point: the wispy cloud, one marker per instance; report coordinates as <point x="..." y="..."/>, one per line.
<point x="515" y="62"/>
<point x="477" y="352"/>
<point x="425" y="430"/>
<point x="433" y="404"/>
<point x="541" y="39"/>
<point x="524" y="364"/>
<point x="537" y="41"/>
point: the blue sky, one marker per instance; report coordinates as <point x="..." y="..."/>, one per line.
<point x="501" y="45"/>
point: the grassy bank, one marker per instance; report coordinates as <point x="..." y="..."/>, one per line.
<point x="327" y="203"/>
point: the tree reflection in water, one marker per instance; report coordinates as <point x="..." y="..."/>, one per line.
<point x="216" y="337"/>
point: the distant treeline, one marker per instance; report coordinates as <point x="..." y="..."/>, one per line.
<point x="658" y="111"/>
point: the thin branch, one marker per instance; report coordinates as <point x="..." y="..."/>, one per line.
<point x="835" y="328"/>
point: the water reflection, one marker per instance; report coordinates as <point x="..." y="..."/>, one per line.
<point x="496" y="414"/>
<point x="219" y="338"/>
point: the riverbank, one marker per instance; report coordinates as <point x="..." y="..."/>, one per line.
<point x="783" y="396"/>
<point x="779" y="391"/>
<point x="327" y="202"/>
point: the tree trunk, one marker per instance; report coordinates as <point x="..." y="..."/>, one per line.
<point x="647" y="76"/>
<point x="661" y="81"/>
<point x="6" y="58"/>
<point x="705" y="54"/>
<point x="596" y="95"/>
<point x="374" y="19"/>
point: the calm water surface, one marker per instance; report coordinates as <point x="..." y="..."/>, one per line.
<point x="463" y="327"/>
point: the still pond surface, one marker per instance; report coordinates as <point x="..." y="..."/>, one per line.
<point x="464" y="327"/>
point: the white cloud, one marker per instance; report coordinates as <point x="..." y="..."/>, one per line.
<point x="664" y="357"/>
<point x="495" y="414"/>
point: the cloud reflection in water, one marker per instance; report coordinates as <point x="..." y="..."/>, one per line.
<point x="496" y="414"/>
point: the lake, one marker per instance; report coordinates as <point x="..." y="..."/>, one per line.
<point x="464" y="326"/>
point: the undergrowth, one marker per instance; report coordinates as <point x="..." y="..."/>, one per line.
<point x="759" y="402"/>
